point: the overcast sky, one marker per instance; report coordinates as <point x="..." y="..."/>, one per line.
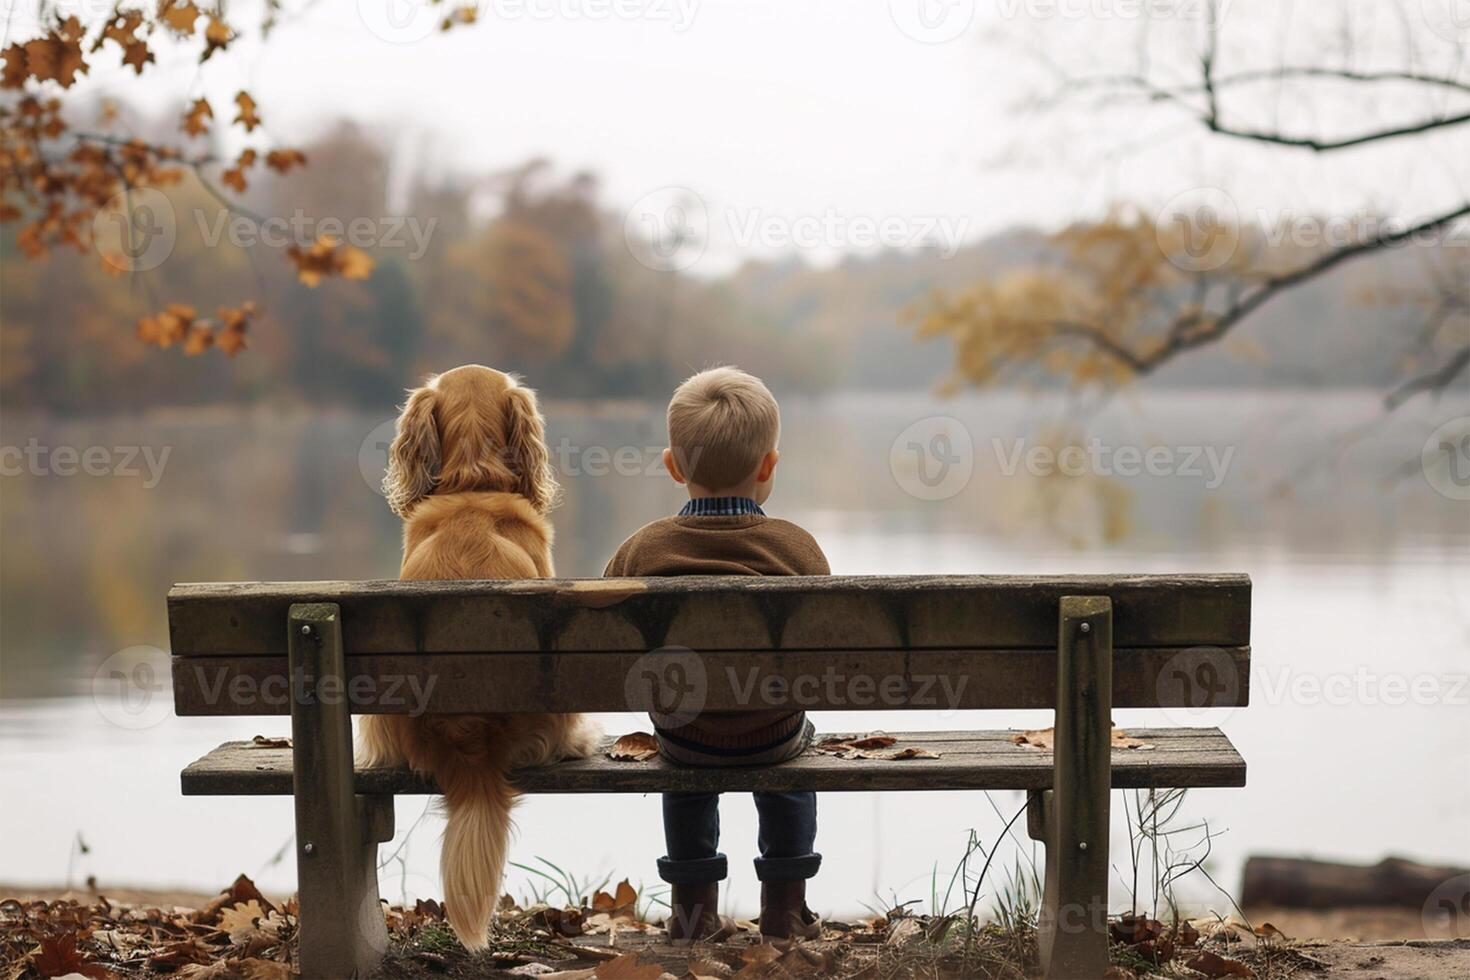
<point x="829" y="119"/>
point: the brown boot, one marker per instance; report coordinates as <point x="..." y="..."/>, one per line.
<point x="695" y="914"/>
<point x="784" y="913"/>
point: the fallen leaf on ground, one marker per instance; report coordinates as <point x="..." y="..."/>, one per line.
<point x="1045" y="739"/>
<point x="243" y="890"/>
<point x="58" y="956"/>
<point x="1267" y="931"/>
<point x="243" y="922"/>
<point x="633" y="747"/>
<point x="628" y="967"/>
<point x="1215" y="965"/>
<point x="624" y="897"/>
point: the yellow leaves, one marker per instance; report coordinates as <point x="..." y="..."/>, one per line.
<point x="122" y="30"/>
<point x="282" y="161"/>
<point x="178" y="323"/>
<point x="234" y="177"/>
<point x="216" y="36"/>
<point x="55" y="57"/>
<point x="15" y="73"/>
<point x="247" y="115"/>
<point x="196" y="119"/>
<point x="179" y="16"/>
<point x="325" y="257"/>
<point x="467" y="14"/>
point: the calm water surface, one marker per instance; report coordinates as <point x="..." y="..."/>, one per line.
<point x="1356" y="737"/>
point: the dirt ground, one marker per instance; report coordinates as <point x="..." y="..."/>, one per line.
<point x="1344" y="944"/>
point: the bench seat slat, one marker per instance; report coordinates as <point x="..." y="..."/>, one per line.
<point x="988" y="760"/>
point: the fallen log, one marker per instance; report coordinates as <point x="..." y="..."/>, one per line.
<point x="1296" y="883"/>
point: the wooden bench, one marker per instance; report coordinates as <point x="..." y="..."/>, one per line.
<point x="321" y="651"/>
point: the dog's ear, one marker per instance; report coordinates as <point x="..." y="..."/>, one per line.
<point x="525" y="449"/>
<point x="413" y="459"/>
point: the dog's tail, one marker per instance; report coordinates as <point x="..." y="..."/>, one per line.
<point x="478" y="802"/>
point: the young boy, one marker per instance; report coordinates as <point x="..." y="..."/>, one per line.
<point x="723" y="429"/>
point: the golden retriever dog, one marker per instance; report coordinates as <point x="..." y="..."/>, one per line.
<point x="470" y="475"/>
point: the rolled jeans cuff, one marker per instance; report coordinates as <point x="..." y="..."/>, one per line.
<point x="788" y="869"/>
<point x="693" y="872"/>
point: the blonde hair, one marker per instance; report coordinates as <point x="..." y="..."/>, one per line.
<point x="721" y="422"/>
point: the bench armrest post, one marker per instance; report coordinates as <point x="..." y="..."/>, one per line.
<point x="1074" y="911"/>
<point x="343" y="932"/>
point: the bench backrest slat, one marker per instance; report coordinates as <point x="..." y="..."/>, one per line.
<point x="712" y="613"/>
<point x="830" y="642"/>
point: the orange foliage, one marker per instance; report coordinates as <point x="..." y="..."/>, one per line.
<point x="59" y="181"/>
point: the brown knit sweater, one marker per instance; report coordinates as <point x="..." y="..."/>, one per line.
<point x="745" y="545"/>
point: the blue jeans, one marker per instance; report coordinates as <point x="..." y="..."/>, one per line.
<point x="788" y="831"/>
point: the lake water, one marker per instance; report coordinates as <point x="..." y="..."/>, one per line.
<point x="1357" y="738"/>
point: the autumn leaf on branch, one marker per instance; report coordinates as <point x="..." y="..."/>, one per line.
<point x="122" y="30"/>
<point x="178" y="323"/>
<point x="216" y="36"/>
<point x="234" y="177"/>
<point x="61" y="185"/>
<point x="325" y="257"/>
<point x="196" y="120"/>
<point x="56" y="57"/>
<point x="247" y="115"/>
<point x="179" y="16"/>
<point x="283" y="160"/>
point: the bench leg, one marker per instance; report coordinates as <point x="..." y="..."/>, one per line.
<point x="1072" y="817"/>
<point x="337" y="832"/>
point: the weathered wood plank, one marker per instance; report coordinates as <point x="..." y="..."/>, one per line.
<point x="735" y="680"/>
<point x="968" y="760"/>
<point x="711" y="613"/>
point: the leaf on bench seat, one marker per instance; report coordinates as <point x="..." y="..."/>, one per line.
<point x="633" y="747"/>
<point x="265" y="742"/>
<point x="1045" y="739"/>
<point x="874" y="746"/>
